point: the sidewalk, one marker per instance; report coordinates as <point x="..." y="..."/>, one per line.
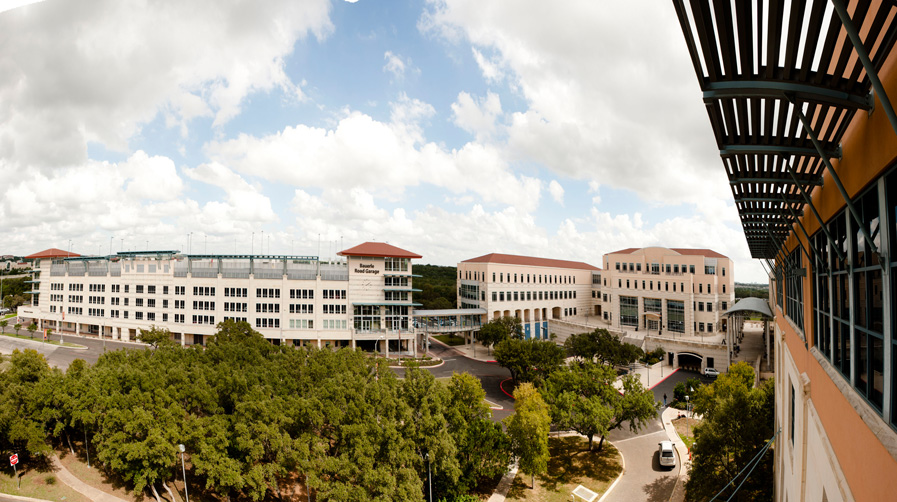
<point x="667" y="417"/>
<point x="474" y="351"/>
<point x="649" y="375"/>
<point x="81" y="487"/>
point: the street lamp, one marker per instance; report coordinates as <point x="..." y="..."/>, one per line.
<point x="687" y="428"/>
<point x="184" y="471"/>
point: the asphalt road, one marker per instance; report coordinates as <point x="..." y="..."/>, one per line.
<point x="59" y="356"/>
<point x="645" y="479"/>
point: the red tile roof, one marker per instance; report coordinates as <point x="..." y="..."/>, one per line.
<point x="510" y="259"/>
<point x="709" y="253"/>
<point x="52" y="253"/>
<point x="378" y="249"/>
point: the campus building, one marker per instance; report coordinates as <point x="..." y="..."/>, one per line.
<point x="535" y="290"/>
<point x="798" y="102"/>
<point x="673" y="291"/>
<point x="365" y="300"/>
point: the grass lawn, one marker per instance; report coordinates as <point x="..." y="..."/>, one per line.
<point x="686" y="430"/>
<point x="570" y="465"/>
<point x="38" y="483"/>
<point x="450" y="339"/>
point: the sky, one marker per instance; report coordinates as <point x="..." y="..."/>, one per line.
<point x="451" y="128"/>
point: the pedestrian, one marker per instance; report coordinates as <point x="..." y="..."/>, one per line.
<point x="664" y="399"/>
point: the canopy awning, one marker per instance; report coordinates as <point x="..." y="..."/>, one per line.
<point x="753" y="305"/>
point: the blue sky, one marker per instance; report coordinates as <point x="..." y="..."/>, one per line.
<point x="453" y="128"/>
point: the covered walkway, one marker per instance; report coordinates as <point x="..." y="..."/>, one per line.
<point x="739" y="317"/>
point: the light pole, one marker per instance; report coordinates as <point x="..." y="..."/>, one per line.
<point x="429" y="477"/>
<point x="687" y="428"/>
<point x="184" y="471"/>
<point x="86" y="447"/>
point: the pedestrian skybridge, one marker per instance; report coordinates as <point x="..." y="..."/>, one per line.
<point x="448" y="320"/>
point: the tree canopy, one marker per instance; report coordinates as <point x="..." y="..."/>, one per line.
<point x="582" y="397"/>
<point x="529" y="360"/>
<point x="603" y="346"/>
<point x="528" y="429"/>
<point x="738" y="422"/>
<point x="253" y="415"/>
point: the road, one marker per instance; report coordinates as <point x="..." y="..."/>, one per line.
<point x="59" y="356"/>
<point x="645" y="479"/>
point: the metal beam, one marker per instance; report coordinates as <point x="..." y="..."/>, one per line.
<point x="809" y="202"/>
<point x="867" y="63"/>
<point x="784" y="181"/>
<point x="801" y="244"/>
<point x="809" y="241"/>
<point x="770" y="198"/>
<point x="828" y="165"/>
<point x="773" y="89"/>
<point x="779" y="150"/>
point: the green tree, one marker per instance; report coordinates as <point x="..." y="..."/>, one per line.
<point x="3" y="324"/>
<point x="156" y="337"/>
<point x="603" y="346"/>
<point x="491" y="334"/>
<point x="21" y="428"/>
<point x="483" y="448"/>
<point x="31" y="329"/>
<point x="738" y="422"/>
<point x="17" y="326"/>
<point x="580" y="399"/>
<point x="528" y="429"/>
<point x="14" y="301"/>
<point x="529" y="360"/>
<point x="427" y="427"/>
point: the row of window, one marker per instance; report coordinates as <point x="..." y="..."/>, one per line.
<point x="502" y="296"/>
<point x="528" y="278"/>
<point x="847" y="294"/>
<point x="666" y="286"/>
<point x="669" y="268"/>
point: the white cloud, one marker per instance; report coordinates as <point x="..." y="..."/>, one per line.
<point x="382" y="158"/>
<point x="394" y="65"/>
<point x="477" y="116"/>
<point x="491" y="69"/>
<point x="557" y="192"/>
<point x="98" y="70"/>
<point x="609" y="89"/>
<point x="594" y="188"/>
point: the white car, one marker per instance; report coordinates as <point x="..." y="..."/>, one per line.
<point x="711" y="372"/>
<point x="665" y="454"/>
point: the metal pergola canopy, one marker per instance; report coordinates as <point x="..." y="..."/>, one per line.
<point x="768" y="67"/>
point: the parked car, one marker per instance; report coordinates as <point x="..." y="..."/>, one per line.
<point x="665" y="454"/>
<point x="711" y="372"/>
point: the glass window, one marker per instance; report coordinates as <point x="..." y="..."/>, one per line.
<point x="629" y="311"/>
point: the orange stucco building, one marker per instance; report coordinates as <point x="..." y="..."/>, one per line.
<point x="798" y="101"/>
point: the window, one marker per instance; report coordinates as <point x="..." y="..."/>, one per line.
<point x="629" y="311"/>
<point x="868" y="307"/>
<point x="138" y="289"/>
<point x="691" y="269"/>
<point x="151" y="303"/>
<point x="203" y="291"/>
<point x="265" y="308"/>
<point x="709" y="269"/>
<point x="164" y="290"/>
<point x="700" y="307"/>
<point x="178" y="290"/>
<point x="794" y="288"/>
<point x="150" y="290"/>
<point x="301" y="293"/>
<point x="301" y="308"/>
<point x="396" y="264"/>
<point x="267" y="293"/>
<point x="676" y="316"/>
<point x="138" y="302"/>
<point x="267" y="323"/>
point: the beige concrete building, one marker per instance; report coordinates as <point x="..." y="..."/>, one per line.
<point x="670" y="291"/>
<point x="534" y="290"/>
<point x="365" y="300"/>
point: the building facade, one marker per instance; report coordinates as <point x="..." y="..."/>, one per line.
<point x="364" y="300"/>
<point x="814" y="179"/>
<point x="671" y="291"/>
<point x="534" y="290"/>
